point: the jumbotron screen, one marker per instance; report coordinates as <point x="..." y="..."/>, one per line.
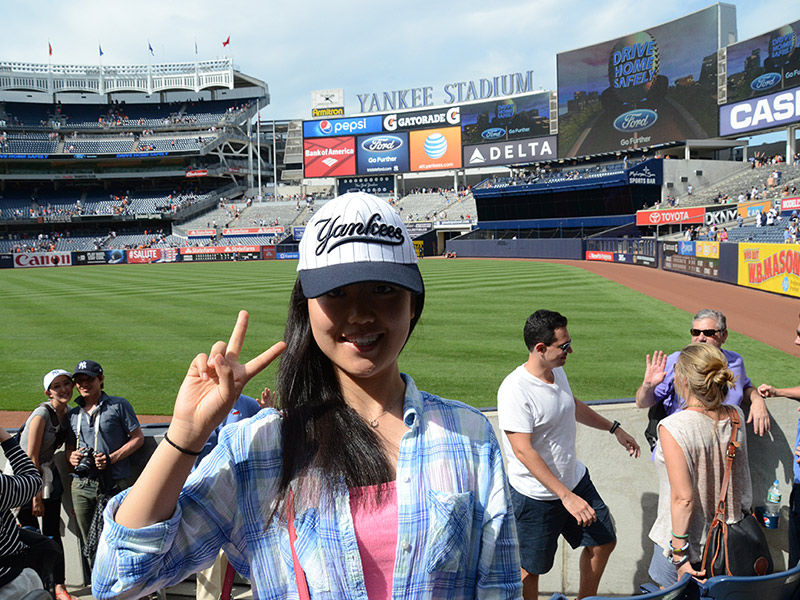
<point x="650" y="87"/>
<point x="764" y="64"/>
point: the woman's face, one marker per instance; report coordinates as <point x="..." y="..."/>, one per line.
<point x="362" y="328"/>
<point x="61" y="389"/>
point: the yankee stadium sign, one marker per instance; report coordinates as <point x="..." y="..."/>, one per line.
<point x="461" y="91"/>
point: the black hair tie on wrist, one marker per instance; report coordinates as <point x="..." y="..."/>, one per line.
<point x="179" y="449"/>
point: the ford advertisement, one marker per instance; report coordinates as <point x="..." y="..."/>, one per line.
<point x="382" y="153"/>
<point x="650" y="87"/>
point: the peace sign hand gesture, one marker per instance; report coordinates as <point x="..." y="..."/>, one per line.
<point x="213" y="385"/>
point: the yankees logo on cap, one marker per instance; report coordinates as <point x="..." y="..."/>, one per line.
<point x="353" y="238"/>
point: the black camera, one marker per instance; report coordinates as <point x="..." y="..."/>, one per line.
<point x="86" y="466"/>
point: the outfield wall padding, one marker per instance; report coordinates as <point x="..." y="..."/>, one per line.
<point x="729" y="262"/>
<point x="539" y="248"/>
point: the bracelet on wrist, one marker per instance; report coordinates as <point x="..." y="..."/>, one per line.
<point x="680" y="537"/>
<point x="679" y="562"/>
<point x="614" y="427"/>
<point x="179" y="449"/>
<point x="680" y="550"/>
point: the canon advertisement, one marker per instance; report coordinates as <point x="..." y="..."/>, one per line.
<point x="650" y="87"/>
<point x="382" y="153"/>
<point x="27" y="260"/>
<point x="764" y="64"/>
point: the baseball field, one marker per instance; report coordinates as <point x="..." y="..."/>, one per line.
<point x="144" y="323"/>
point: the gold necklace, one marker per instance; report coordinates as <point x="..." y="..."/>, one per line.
<point x="374" y="422"/>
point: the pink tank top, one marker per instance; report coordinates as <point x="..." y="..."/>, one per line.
<point x="376" y="533"/>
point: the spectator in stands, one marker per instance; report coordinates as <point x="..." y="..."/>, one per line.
<point x="690" y="457"/>
<point x="550" y="488"/>
<point x="42" y="434"/>
<point x="352" y="426"/>
<point x="768" y="391"/>
<point x="104" y="432"/>
<point x="15" y="490"/>
<point x="658" y="391"/>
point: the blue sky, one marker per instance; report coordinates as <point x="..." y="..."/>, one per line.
<point x="361" y="46"/>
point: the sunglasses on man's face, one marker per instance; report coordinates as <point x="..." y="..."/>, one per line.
<point x="565" y="346"/>
<point x="705" y="332"/>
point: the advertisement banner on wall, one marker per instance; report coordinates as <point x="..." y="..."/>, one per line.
<point x="511" y="153"/>
<point x="329" y="157"/>
<point x="202" y="232"/>
<point x="422" y="119"/>
<point x="99" y="257"/>
<point x="670" y="216"/>
<point x="628" y="258"/>
<point x="650" y="87"/>
<point x="217" y="253"/>
<point x="254" y="231"/>
<point x="790" y="204"/>
<point x="517" y="118"/>
<point x="775" y="110"/>
<point x="152" y="255"/>
<point x="650" y="172"/>
<point x="339" y="127"/>
<point x="6" y="261"/>
<point x="751" y="209"/>
<point x="434" y="149"/>
<point x="373" y="184"/>
<point x="382" y="153"/>
<point x="764" y="64"/>
<point x="267" y="252"/>
<point x="683" y="258"/>
<point x="42" y="259"/>
<point x="770" y="267"/>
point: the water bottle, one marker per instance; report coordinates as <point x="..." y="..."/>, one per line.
<point x="772" y="508"/>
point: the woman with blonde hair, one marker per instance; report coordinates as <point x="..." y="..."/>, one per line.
<point x="691" y="457"/>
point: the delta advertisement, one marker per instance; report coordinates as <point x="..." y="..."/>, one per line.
<point x="693" y="258"/>
<point x="647" y="88"/>
<point x="764" y="64"/>
<point x="770" y="267"/>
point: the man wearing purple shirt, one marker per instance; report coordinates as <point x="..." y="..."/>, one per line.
<point x="710" y="327"/>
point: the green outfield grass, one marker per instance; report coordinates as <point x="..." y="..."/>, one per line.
<point x="144" y="323"/>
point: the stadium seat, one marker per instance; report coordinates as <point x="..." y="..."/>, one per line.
<point x="685" y="589"/>
<point x="776" y="586"/>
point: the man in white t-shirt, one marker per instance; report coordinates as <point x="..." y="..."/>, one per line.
<point x="550" y="487"/>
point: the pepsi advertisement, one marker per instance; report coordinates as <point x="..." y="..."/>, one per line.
<point x="518" y="118"/>
<point x="765" y="64"/>
<point x="382" y="153"/>
<point x="647" y="88"/>
<point x="341" y="127"/>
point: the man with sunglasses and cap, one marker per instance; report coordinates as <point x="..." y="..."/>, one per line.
<point x="658" y="389"/>
<point x="104" y="432"/>
<point x="551" y="490"/>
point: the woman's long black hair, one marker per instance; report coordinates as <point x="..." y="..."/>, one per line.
<point x="320" y="430"/>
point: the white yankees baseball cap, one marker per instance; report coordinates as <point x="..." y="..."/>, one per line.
<point x="354" y="238"/>
<point x="51" y="376"/>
